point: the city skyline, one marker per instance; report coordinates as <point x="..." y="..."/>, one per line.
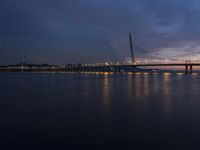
<point x="97" y="31"/>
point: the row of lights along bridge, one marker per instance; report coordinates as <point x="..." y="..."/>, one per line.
<point x="144" y="61"/>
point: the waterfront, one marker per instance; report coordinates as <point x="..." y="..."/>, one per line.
<point x="100" y="111"/>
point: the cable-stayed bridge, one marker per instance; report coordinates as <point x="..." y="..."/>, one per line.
<point x="143" y="62"/>
<point x="134" y="64"/>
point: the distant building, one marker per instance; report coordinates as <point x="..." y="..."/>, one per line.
<point x="79" y="65"/>
<point x="70" y="66"/>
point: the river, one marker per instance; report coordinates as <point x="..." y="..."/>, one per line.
<point x="99" y="111"/>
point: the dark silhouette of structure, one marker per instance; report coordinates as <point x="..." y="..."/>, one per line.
<point x="131" y="47"/>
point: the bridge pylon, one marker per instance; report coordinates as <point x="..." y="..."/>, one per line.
<point x="131" y="48"/>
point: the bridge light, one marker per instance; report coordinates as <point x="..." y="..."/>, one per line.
<point x="106" y="63"/>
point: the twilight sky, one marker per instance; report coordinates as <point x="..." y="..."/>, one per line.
<point x="85" y="31"/>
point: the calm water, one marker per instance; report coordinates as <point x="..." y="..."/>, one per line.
<point x="99" y="111"/>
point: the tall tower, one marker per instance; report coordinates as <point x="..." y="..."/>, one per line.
<point x="131" y="47"/>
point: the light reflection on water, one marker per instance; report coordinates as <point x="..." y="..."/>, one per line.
<point x="146" y="84"/>
<point x="126" y="109"/>
<point x="138" y="85"/>
<point x="106" y="93"/>
<point x="166" y="92"/>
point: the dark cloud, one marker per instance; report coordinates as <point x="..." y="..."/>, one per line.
<point x="74" y="31"/>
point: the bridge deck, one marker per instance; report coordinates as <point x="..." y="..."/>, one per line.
<point x="148" y="65"/>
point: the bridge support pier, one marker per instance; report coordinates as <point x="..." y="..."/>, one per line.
<point x="186" y="69"/>
<point x="115" y="69"/>
<point x="107" y="69"/>
<point x="191" y="68"/>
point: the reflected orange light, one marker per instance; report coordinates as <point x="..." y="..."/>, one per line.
<point x="138" y="73"/>
<point x="106" y="92"/>
<point x="180" y="74"/>
<point x="106" y="73"/>
<point x="166" y="93"/>
<point x="138" y="83"/>
<point x="167" y="73"/>
<point x="146" y="73"/>
<point x="146" y="83"/>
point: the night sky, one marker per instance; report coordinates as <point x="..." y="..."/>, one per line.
<point x="85" y="31"/>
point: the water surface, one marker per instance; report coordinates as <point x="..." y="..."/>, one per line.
<point x="99" y="111"/>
